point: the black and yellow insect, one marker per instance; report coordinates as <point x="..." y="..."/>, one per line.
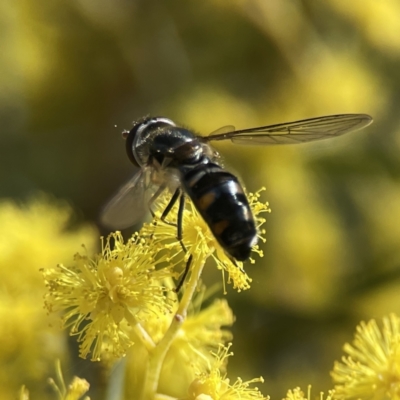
<point x="172" y="158"/>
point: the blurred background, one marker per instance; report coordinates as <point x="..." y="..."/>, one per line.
<point x="74" y="74"/>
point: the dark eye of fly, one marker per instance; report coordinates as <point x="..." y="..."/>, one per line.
<point x="129" y="136"/>
<point x="142" y="125"/>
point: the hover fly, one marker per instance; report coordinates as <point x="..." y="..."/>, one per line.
<point x="172" y="158"/>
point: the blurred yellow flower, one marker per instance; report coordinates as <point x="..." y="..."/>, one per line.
<point x="372" y="368"/>
<point x="32" y="235"/>
<point x="377" y="20"/>
<point x="23" y="393"/>
<point x="35" y="235"/>
<point x="200" y="242"/>
<point x="96" y="294"/>
<point x="28" y="345"/>
<point x="214" y="385"/>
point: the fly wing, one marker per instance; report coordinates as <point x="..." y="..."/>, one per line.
<point x="128" y="206"/>
<point x="305" y="130"/>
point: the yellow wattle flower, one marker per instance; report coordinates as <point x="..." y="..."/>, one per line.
<point x="97" y="294"/>
<point x="33" y="234"/>
<point x="372" y="368"/>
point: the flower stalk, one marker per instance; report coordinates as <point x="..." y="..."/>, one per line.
<point x="157" y="355"/>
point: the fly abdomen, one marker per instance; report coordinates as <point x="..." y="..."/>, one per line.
<point x="219" y="198"/>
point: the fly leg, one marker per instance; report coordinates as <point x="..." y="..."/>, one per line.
<point x="167" y="209"/>
<point x="178" y="194"/>
<point x="179" y="237"/>
<point x="181" y="209"/>
<point x="171" y="203"/>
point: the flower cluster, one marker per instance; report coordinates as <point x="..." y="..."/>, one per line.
<point x="98" y="294"/>
<point x="372" y="368"/>
<point x="122" y="302"/>
<point x="33" y="234"/>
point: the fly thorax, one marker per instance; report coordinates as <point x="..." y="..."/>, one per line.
<point x="171" y="148"/>
<point x="189" y="153"/>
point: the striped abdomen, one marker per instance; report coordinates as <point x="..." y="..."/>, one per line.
<point x="219" y="198"/>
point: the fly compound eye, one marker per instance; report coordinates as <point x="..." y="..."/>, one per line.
<point x="130" y="137"/>
<point x="134" y="138"/>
